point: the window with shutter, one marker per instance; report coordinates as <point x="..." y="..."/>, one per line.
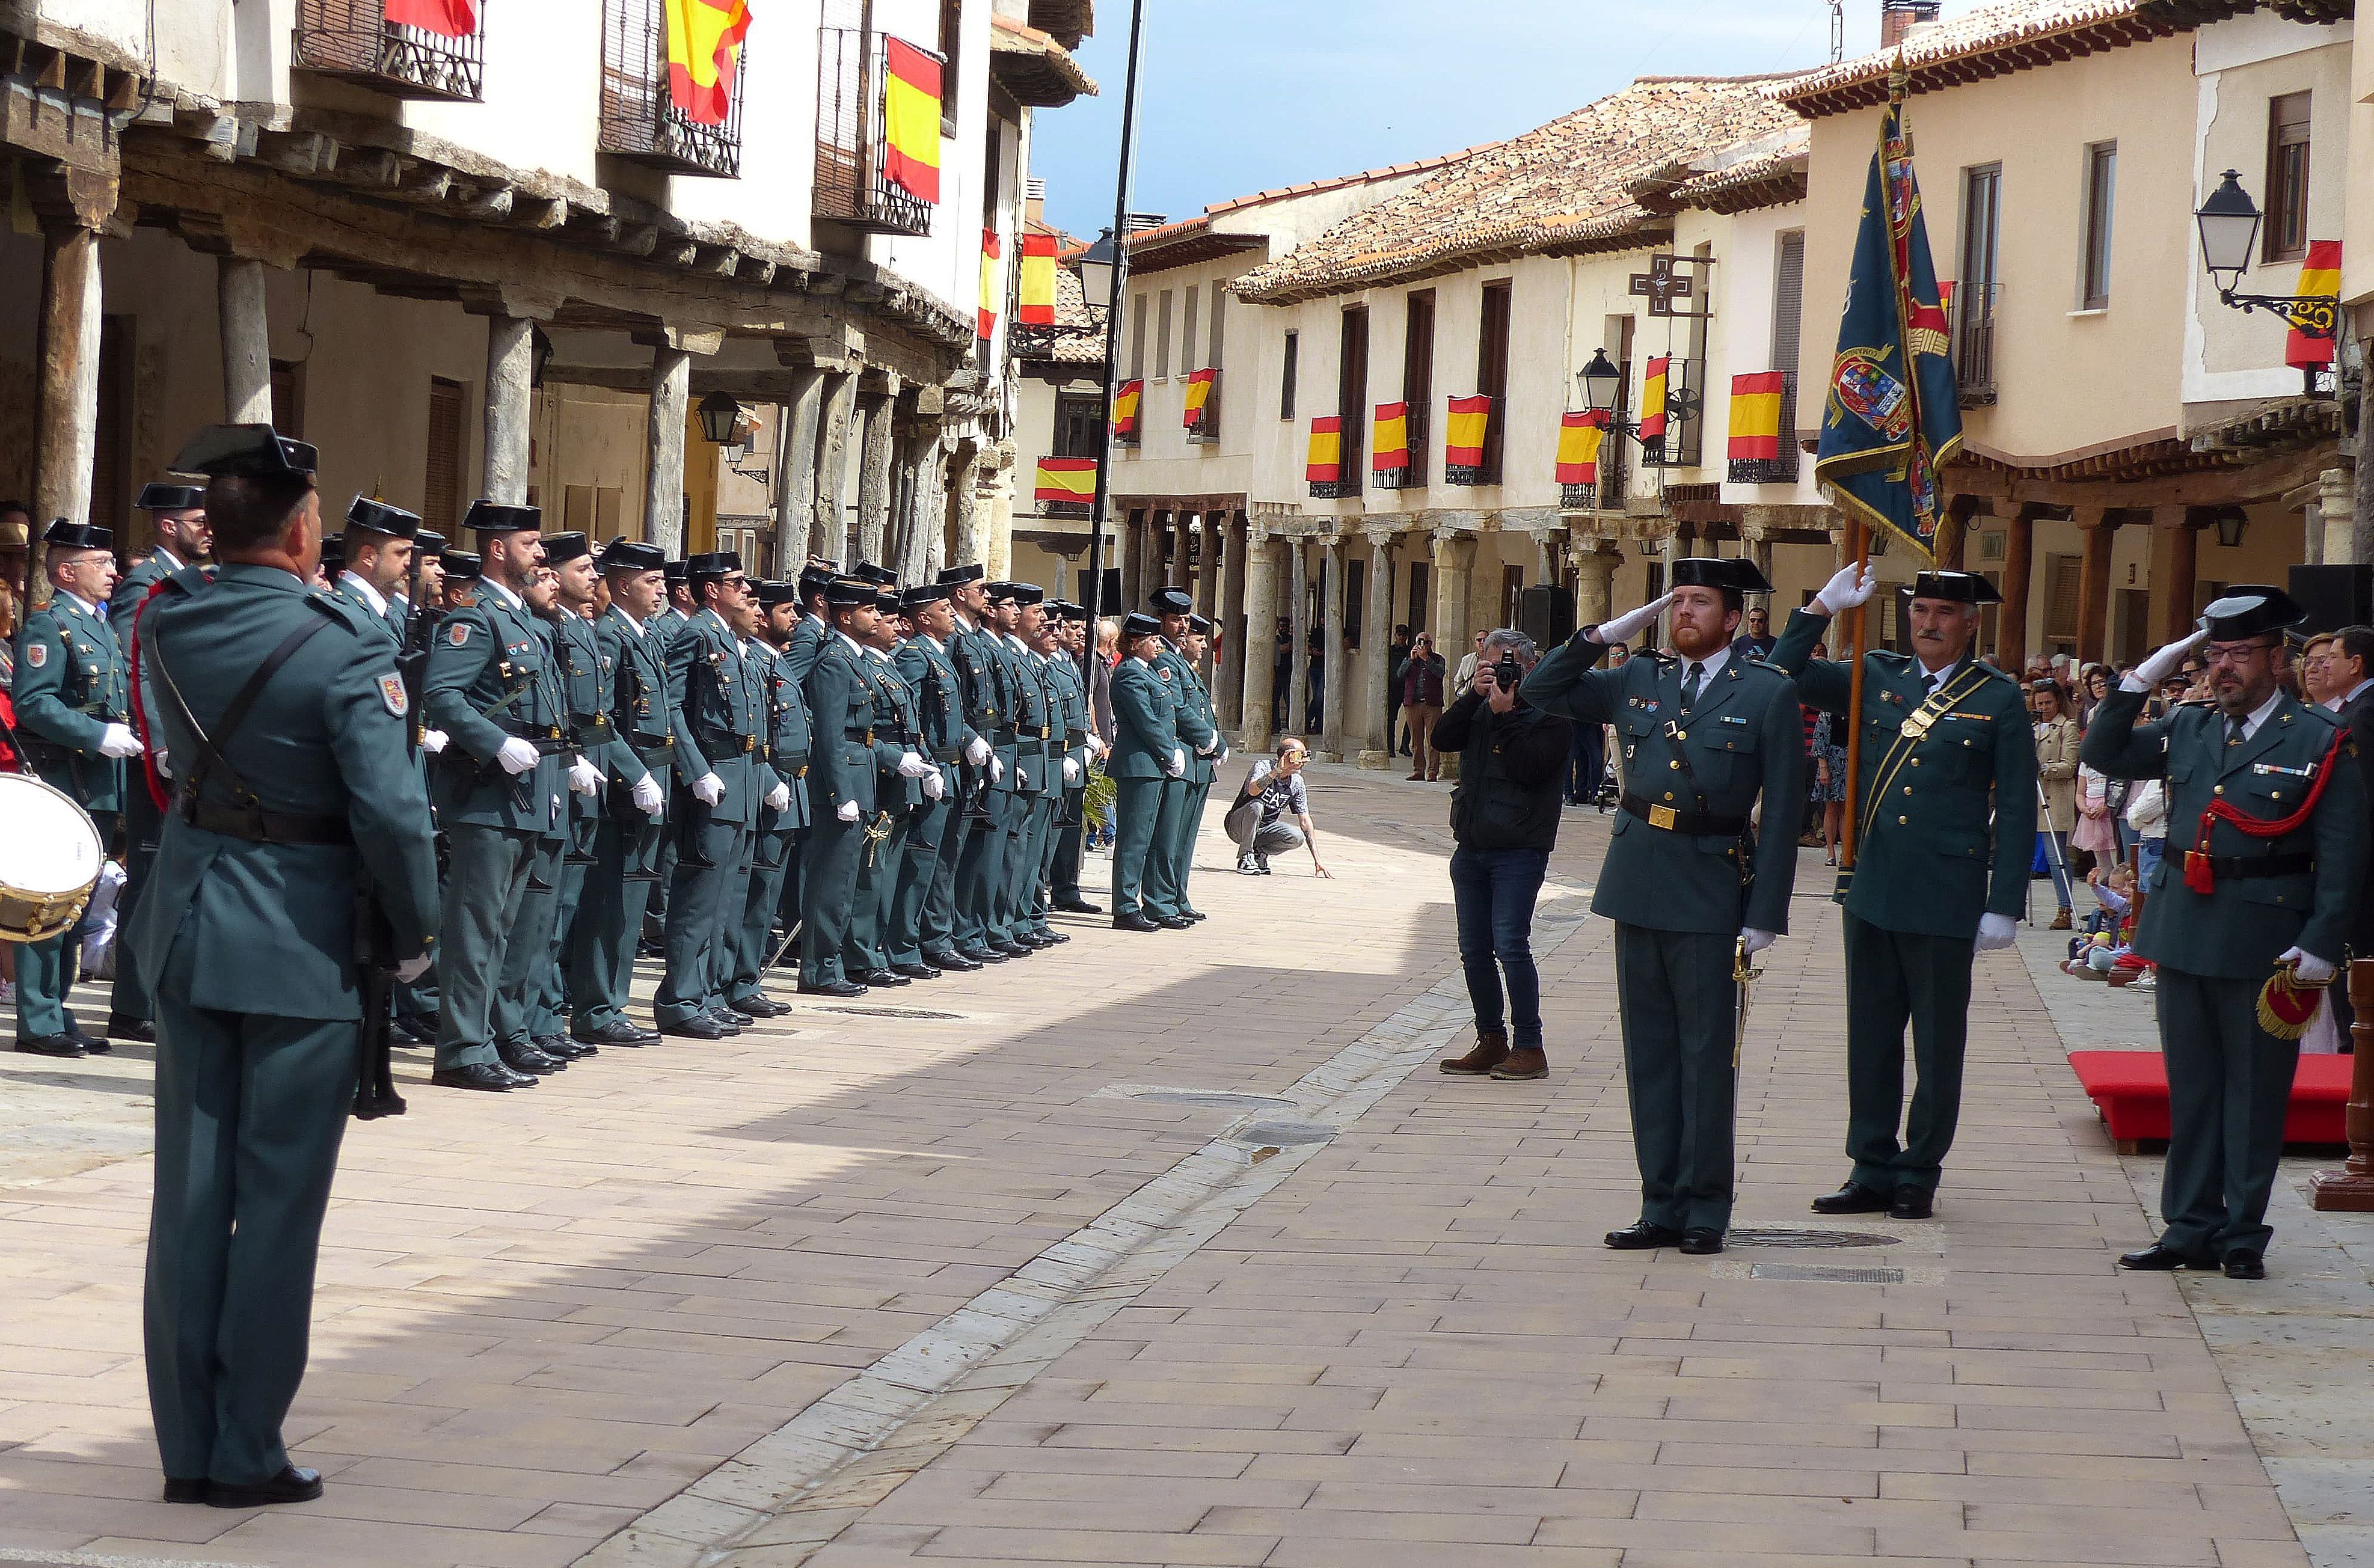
<point x="2062" y="577"/>
<point x="289" y="398"/>
<point x="1352" y="397"/>
<point x="951" y="37"/>
<point x="440" y="495"/>
<point x="1418" y="378"/>
<point x="2285" y="237"/>
<point x="1192" y="301"/>
<point x="1492" y="372"/>
<point x="1219" y="305"/>
<point x="1285" y="379"/>
<point x="1137" y="336"/>
<point x="1162" y="336"/>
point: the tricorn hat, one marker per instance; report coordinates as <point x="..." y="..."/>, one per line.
<point x="1172" y="601"/>
<point x="502" y="517"/>
<point x="843" y="592"/>
<point x="378" y="517"/>
<point x="956" y="577"/>
<point x="1959" y="587"/>
<point x="1740" y="575"/>
<point x="773" y="593"/>
<point x="463" y="566"/>
<point x="2247" y="609"/>
<point x="64" y="536"/>
<point x="1027" y="594"/>
<point x="427" y="543"/>
<point x="712" y="567"/>
<point x="163" y="495"/>
<point x="1138" y="625"/>
<point x="247" y="450"/>
<point x="559" y="547"/>
<point x="632" y="555"/>
<point x="922" y="594"/>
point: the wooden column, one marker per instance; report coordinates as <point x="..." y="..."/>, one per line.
<point x="971" y="523"/>
<point x="1333" y="685"/>
<point x="2011" y="620"/>
<point x="873" y="476"/>
<point x="795" y="470"/>
<point x="663" y="437"/>
<point x="1182" y="548"/>
<point x="828" y="533"/>
<point x="1376" y="657"/>
<point x="68" y="423"/>
<point x="2098" y="531"/>
<point x="1953" y="532"/>
<point x="1454" y="561"/>
<point x="2176" y="546"/>
<point x="1229" y="687"/>
<point x="1261" y="620"/>
<point x="511" y="369"/>
<point x="246" y="341"/>
<point x="1298" y="686"/>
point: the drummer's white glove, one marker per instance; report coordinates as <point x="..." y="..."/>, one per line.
<point x="709" y="790"/>
<point x="1177" y="765"/>
<point x="778" y="798"/>
<point x="2312" y="970"/>
<point x="649" y="798"/>
<point x="976" y="750"/>
<point x="847" y="812"/>
<point x="913" y="765"/>
<point x="1755" y="941"/>
<point x="412" y="969"/>
<point x="118" y="741"/>
<point x="432" y="741"/>
<point x="1849" y="586"/>
<point x="1071" y="770"/>
<point x="1624" y="627"/>
<point x="996" y="770"/>
<point x="517" y="756"/>
<point x="2163" y="663"/>
<point x="1995" y="930"/>
<point x="584" y="778"/>
<point x="935" y="785"/>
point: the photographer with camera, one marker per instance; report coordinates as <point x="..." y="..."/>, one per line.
<point x="1504" y="814"/>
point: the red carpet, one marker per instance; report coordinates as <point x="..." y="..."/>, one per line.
<point x="2129" y="1088"/>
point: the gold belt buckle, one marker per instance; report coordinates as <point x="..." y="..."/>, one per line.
<point x="1661" y="816"/>
<point x="749" y="745"/>
<point x="1916" y="725"/>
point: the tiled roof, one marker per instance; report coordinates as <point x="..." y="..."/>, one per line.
<point x="1562" y="187"/>
<point x="1038" y="70"/>
<point x="1765" y="176"/>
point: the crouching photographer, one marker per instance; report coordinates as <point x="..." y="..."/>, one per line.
<point x="1504" y="814"/>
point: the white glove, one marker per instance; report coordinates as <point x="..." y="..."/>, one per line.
<point x="913" y="765"/>
<point x="412" y="969"/>
<point x="1096" y="744"/>
<point x="164" y="761"/>
<point x="1176" y="766"/>
<point x="118" y="741"/>
<point x="432" y="741"/>
<point x="517" y="756"/>
<point x="1625" y="627"/>
<point x="2162" y="664"/>
<point x="1225" y="752"/>
<point x="709" y="790"/>
<point x="977" y="750"/>
<point x="1848" y="587"/>
<point x="1757" y="940"/>
<point x="2312" y="970"/>
<point x="847" y="812"/>
<point x="584" y="778"/>
<point x="1995" y="930"/>
<point x="996" y="770"/>
<point x="1071" y="770"/>
<point x="779" y="797"/>
<point x="648" y="796"/>
<point x="935" y="785"/>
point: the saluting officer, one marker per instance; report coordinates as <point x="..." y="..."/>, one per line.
<point x="1147" y="758"/>
<point x="73" y="716"/>
<point x="1946" y="746"/>
<point x="497" y="786"/>
<point x="1706" y="736"/>
<point x="783" y="815"/>
<point x="286" y="709"/>
<point x="1071" y="817"/>
<point x="922" y="911"/>
<point x="2265" y="864"/>
<point x="839" y="694"/>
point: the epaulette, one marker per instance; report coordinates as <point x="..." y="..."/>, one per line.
<point x="339" y="610"/>
<point x="1890" y="657"/>
<point x="2332" y="721"/>
<point x="189" y="580"/>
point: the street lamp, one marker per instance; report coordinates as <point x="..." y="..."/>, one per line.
<point x="2228" y="221"/>
<point x="1598" y="381"/>
<point x="1096" y="264"/>
<point x="719" y="416"/>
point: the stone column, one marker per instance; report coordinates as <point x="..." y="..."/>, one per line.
<point x="2094" y="581"/>
<point x="510" y="366"/>
<point x="873" y="476"/>
<point x="1454" y="561"/>
<point x="964" y="496"/>
<point x="1229" y="687"/>
<point x="1594" y="585"/>
<point x="1376" y="715"/>
<point x="1182" y="548"/>
<point x="795" y="470"/>
<point x="68" y="432"/>
<point x="2175" y="553"/>
<point x="828" y="533"/>
<point x="1758" y="548"/>
<point x="663" y="495"/>
<point x="2011" y="621"/>
<point x="1336" y="735"/>
<point x="1298" y="689"/>
<point x="2333" y="521"/>
<point x="246" y="341"/>
<point x="1261" y="617"/>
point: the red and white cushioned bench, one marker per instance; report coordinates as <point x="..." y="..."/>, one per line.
<point x="2129" y="1089"/>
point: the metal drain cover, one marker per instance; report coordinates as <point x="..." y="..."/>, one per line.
<point x="924" y="1012"/>
<point x="1285" y="1134"/>
<point x="1224" y="1098"/>
<point x="1825" y="1273"/>
<point x="1769" y="1236"/>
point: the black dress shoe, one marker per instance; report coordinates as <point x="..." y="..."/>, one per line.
<point x="1642" y="1234"/>
<point x="2244" y="1264"/>
<point x="650" y="950"/>
<point x="887" y="979"/>
<point x="1854" y="1198"/>
<point x="982" y="952"/>
<point x="617" y="1032"/>
<point x="524" y="1057"/>
<point x="1700" y="1240"/>
<point x="758" y="1006"/>
<point x="1191" y="916"/>
<point x="699" y="1026"/>
<point x="1054" y="939"/>
<point x="1013" y="949"/>
<point x="419" y="1026"/>
<point x="185" y="1489"/>
<point x="916" y="971"/>
<point x="92" y="1044"/>
<point x="832" y="987"/>
<point x="727" y="1019"/>
<point x="1079" y="907"/>
<point x="950" y="960"/>
<point x="1132" y="920"/>
<point x="1173" y="923"/>
<point x="292" y="1485"/>
<point x="559" y="1048"/>
<point x="1030" y="940"/>
<point x="491" y="1076"/>
<point x="1910" y="1203"/>
<point x="49" y="1045"/>
<point x="122" y="1026"/>
<point x="2159" y="1257"/>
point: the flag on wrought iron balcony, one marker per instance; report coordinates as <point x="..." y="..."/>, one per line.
<point x="910" y="117"/>
<point x="1580" y="435"/>
<point x="704" y="45"/>
<point x="1037" y="282"/>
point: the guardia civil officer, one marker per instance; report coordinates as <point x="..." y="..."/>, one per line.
<point x="1173" y="855"/>
<point x="841" y="768"/>
<point x="288" y="711"/>
<point x="1036" y="779"/>
<point x="922" y="911"/>
<point x="498" y="789"/>
<point x="784" y="814"/>
<point x="465" y="570"/>
<point x="984" y="677"/>
<point x="1203" y="766"/>
<point x="1147" y="758"/>
<point x="1071" y="818"/>
<point x="902" y="775"/>
<point x="2265" y="863"/>
<point x="683" y="603"/>
<point x="378" y="556"/>
<point x="72" y="721"/>
<point x="1706" y="736"/>
<point x="1942" y="856"/>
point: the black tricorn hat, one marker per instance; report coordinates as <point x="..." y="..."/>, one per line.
<point x="559" y="547"/>
<point x="925" y="593"/>
<point x="1172" y="601"/>
<point x="378" y="517"/>
<point x="1064" y="610"/>
<point x="1199" y="624"/>
<point x="843" y="592"/>
<point x="333" y="554"/>
<point x="773" y="593"/>
<point x="463" y="566"/>
<point x="427" y="542"/>
<point x="1738" y="575"/>
<point x="710" y="567"/>
<point x="502" y="517"/>
<point x="999" y="592"/>
<point x="956" y="577"/>
<point x="2250" y="609"/>
<point x="164" y="495"/>
<point x="247" y="450"/>
<point x="1138" y="625"/>
<point x="632" y="555"/>
<point x="1959" y="587"/>
<point x="64" y="536"/>
<point x="1027" y="594"/>
<point x="881" y="577"/>
<point x="675" y="571"/>
<point x="886" y="601"/>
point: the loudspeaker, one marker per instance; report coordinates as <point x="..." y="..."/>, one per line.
<point x="1108" y="604"/>
<point x="2334" y="597"/>
<point x="1546" y="614"/>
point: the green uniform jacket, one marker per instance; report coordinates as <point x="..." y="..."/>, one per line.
<point x="841" y="709"/>
<point x="897" y="732"/>
<point x="643" y="719"/>
<point x="2236" y="931"/>
<point x="1198" y="724"/>
<point x="387" y="621"/>
<point x="1745" y="740"/>
<point x="808" y="637"/>
<point x="70" y="686"/>
<point x="1033" y="726"/>
<point x="274" y="923"/>
<point x="1145" y="713"/>
<point x="988" y="694"/>
<point x="1072" y="703"/>
<point x="790" y="740"/>
<point x="721" y="717"/>
<point x="487" y="660"/>
<point x="1956" y="836"/>
<point x="932" y="675"/>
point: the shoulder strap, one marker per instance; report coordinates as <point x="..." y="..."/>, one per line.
<point x="210" y="748"/>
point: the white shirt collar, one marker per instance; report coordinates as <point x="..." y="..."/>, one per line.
<point x="965" y="621"/>
<point x="855" y="646"/>
<point x="2351" y="695"/>
<point x="713" y="616"/>
<point x="89" y="608"/>
<point x="1710" y="666"/>
<point x="631" y="620"/>
<point x="2259" y="714"/>
<point x="173" y="563"/>
<point x="517" y="603"/>
<point x="372" y="596"/>
<point x="937" y="646"/>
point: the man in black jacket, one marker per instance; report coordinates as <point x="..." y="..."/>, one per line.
<point x="2349" y="688"/>
<point x="1504" y="812"/>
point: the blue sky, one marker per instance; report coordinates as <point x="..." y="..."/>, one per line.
<point x="1239" y="96"/>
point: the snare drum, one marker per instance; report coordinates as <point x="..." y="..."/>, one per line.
<point x="49" y="858"/>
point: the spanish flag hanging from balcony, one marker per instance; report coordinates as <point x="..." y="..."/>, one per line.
<point x="1463" y="432"/>
<point x="1067" y="479"/>
<point x="1199" y="392"/>
<point x="1652" y="399"/>
<point x="1126" y="398"/>
<point x="447" y="19"/>
<point x="2319" y="276"/>
<point x="1580" y="435"/>
<point x="704" y="46"/>
<point x="1389" y="443"/>
<point x="985" y="319"/>
<point x="1756" y="416"/>
<point x="1037" y="306"/>
<point x="910" y="117"/>
<point x="1326" y="464"/>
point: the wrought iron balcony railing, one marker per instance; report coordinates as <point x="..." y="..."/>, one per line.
<point x="851" y="186"/>
<point x="353" y="38"/>
<point x="640" y="117"/>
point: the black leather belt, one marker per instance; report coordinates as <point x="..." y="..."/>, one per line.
<point x="727" y="742"/>
<point x="1698" y="824"/>
<point x="1001" y="738"/>
<point x="655" y="753"/>
<point x="2248" y="866"/>
<point x="519" y="732"/>
<point x="260" y="826"/>
<point x="866" y="736"/>
<point x="946" y="755"/>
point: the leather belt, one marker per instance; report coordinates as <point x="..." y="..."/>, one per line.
<point x="654" y="753"/>
<point x="260" y="826"/>
<point x="864" y="736"/>
<point x="2249" y="866"/>
<point x="1001" y="738"/>
<point x="946" y="755"/>
<point x="519" y="732"/>
<point x="1699" y="825"/>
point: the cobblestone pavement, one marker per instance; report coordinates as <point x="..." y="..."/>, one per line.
<point x="1176" y="1249"/>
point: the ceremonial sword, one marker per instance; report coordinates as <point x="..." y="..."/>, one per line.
<point x="1742" y="975"/>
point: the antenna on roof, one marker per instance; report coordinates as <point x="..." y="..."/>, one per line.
<point x="1838" y="31"/>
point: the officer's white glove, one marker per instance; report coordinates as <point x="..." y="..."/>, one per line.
<point x="2163" y="663"/>
<point x="1177" y="765"/>
<point x="779" y="797"/>
<point x="996" y="770"/>
<point x="1757" y="940"/>
<point x="1624" y="627"/>
<point x="516" y="757"/>
<point x="1995" y="930"/>
<point x="1071" y="770"/>
<point x="1849" y="586"/>
<point x="2312" y="970"/>
<point x="1096" y="744"/>
<point x="432" y="741"/>
<point x="412" y="969"/>
<point x="913" y="765"/>
<point x="935" y="785"/>
<point x="847" y="812"/>
<point x="976" y="750"/>
<point x="649" y="798"/>
<point x="118" y="741"/>
<point x="584" y="778"/>
<point x="709" y="790"/>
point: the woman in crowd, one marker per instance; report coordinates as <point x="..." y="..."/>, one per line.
<point x="1829" y="779"/>
<point x="1422" y="679"/>
<point x="2056" y="774"/>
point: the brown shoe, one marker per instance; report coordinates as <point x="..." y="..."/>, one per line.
<point x="2060" y="921"/>
<point x="1416" y="778"/>
<point x="1491" y="1050"/>
<point x="1523" y="1062"/>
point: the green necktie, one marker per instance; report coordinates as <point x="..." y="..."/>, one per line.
<point x="2233" y="732"/>
<point x="1693" y="682"/>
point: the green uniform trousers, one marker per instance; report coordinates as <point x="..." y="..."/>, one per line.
<point x="827" y="892"/>
<point x="609" y="925"/>
<point x="2230" y="1084"/>
<point x="144" y="826"/>
<point x="1063" y="871"/>
<point x="978" y="866"/>
<point x="529" y="950"/>
<point x="1037" y="812"/>
<point x="704" y="908"/>
<point x="772" y="855"/>
<point x="1164" y="895"/>
<point x="1191" y="824"/>
<point x="553" y="1006"/>
<point x="1675" y="1000"/>
<point x="486" y="886"/>
<point x="866" y="947"/>
<point x="250" y="1113"/>
<point x="925" y="871"/>
<point x="1137" y="811"/>
<point x="1893" y="978"/>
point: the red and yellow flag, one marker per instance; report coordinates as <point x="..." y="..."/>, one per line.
<point x="1463" y="432"/>
<point x="448" y="18"/>
<point x="1067" y="479"/>
<point x="1126" y="398"/>
<point x="985" y="319"/>
<point x="1038" y="305"/>
<point x="1325" y="463"/>
<point x="1756" y="416"/>
<point x="1580" y="435"/>
<point x="910" y="117"/>
<point x="1199" y="392"/>
<point x="1389" y="446"/>
<point x="1652" y="399"/>
<point x="704" y="46"/>
<point x="2320" y="275"/>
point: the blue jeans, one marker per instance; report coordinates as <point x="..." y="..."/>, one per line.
<point x="1494" y="891"/>
<point x="2147" y="855"/>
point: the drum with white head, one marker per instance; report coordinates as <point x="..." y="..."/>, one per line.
<point x="50" y="859"/>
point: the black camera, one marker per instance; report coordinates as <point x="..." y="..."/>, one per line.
<point x="1507" y="672"/>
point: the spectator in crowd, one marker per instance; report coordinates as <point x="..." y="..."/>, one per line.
<point x="1829" y="775"/>
<point x="1396" y="726"/>
<point x="2315" y="672"/>
<point x="1464" y="676"/>
<point x="1756" y="639"/>
<point x="2091" y="688"/>
<point x="1809" y="832"/>
<point x="1422" y="700"/>
<point x="1271" y="814"/>
<point x="1314" y="701"/>
<point x="16" y="540"/>
<point x="2056" y="774"/>
<point x="2094" y="840"/>
<point x="2148" y="819"/>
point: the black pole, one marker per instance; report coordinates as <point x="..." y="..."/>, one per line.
<point x="1112" y="344"/>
